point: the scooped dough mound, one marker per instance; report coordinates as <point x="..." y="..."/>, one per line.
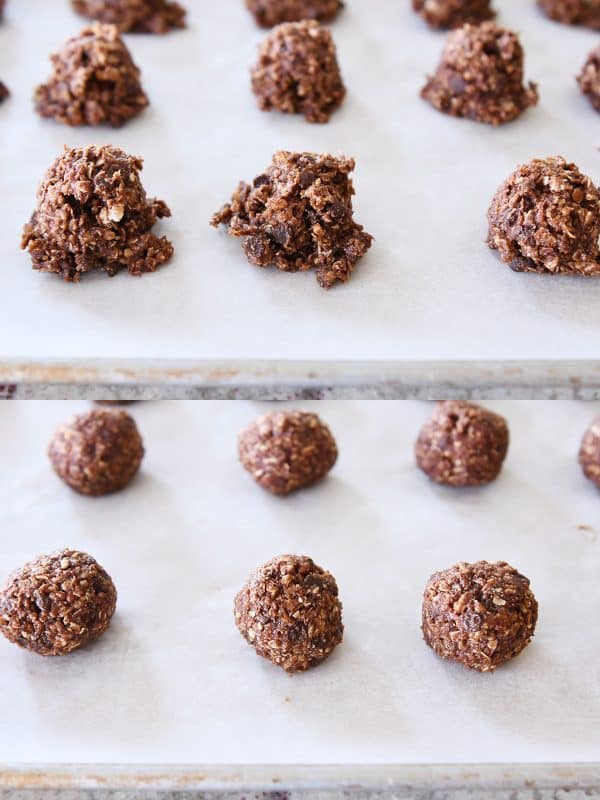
<point x="269" y="13"/>
<point x="94" y="81"/>
<point x="298" y="216"/>
<point x="93" y="214"/>
<point x="134" y="16"/>
<point x="480" y="76"/>
<point x="589" y="79"/>
<point x="573" y="12"/>
<point x="453" y="13"/>
<point x="298" y="72"/>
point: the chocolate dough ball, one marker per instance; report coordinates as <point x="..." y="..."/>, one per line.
<point x="480" y="76"/>
<point x="287" y="450"/>
<point x="93" y="213"/>
<point x="98" y="452"/>
<point x="480" y="615"/>
<point x="298" y="216"/>
<point x="298" y="73"/>
<point x="453" y="13"/>
<point x="573" y="12"/>
<point x="94" y="81"/>
<point x="273" y="12"/>
<point x="462" y="444"/>
<point x="589" y="454"/>
<point x="589" y="80"/>
<point x="546" y="218"/>
<point x="57" y="603"/>
<point x="134" y="16"/>
<point x="290" y="613"/>
<point x="4" y="93"/>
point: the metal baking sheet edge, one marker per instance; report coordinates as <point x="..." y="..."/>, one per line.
<point x="149" y="380"/>
<point x="425" y="782"/>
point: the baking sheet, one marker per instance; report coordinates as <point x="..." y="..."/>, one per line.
<point x="429" y="288"/>
<point x="172" y="681"/>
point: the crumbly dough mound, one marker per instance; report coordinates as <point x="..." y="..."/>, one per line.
<point x="480" y="615"/>
<point x="134" y="16"/>
<point x="589" y="80"/>
<point x="94" y="81"/>
<point x="298" y="72"/>
<point x="480" y="76"/>
<point x="290" y="613"/>
<point x="453" y="13"/>
<point x="4" y="93"/>
<point x="2" y="4"/>
<point x="269" y="13"/>
<point x="589" y="453"/>
<point x="573" y="12"/>
<point x="546" y="218"/>
<point x="298" y="216"/>
<point x="286" y="450"/>
<point x="98" y="452"/>
<point x="57" y="603"/>
<point x="462" y="444"/>
<point x="93" y="213"/>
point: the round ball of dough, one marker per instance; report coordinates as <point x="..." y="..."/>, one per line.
<point x="589" y="453"/>
<point x="98" y="452"/>
<point x="57" y="603"/>
<point x="269" y="13"/>
<point x="546" y="218"/>
<point x="290" y="613"/>
<point x="453" y="13"/>
<point x="481" y="615"/>
<point x="462" y="444"/>
<point x="286" y="450"/>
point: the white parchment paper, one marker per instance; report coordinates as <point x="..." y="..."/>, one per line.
<point x="173" y="681"/>
<point x="429" y="288"/>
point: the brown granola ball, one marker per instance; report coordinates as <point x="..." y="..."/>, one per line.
<point x="573" y="12"/>
<point x="287" y="450"/>
<point x="589" y="80"/>
<point x="269" y="13"/>
<point x="480" y="615"/>
<point x="589" y="453"/>
<point x="134" y="16"/>
<point x="4" y="93"/>
<point x="462" y="444"/>
<point x="480" y="76"/>
<point x="94" y="81"/>
<point x="298" y="73"/>
<point x="453" y="13"/>
<point x="290" y="613"/>
<point x="2" y="4"/>
<point x="93" y="213"/>
<point x="546" y="218"/>
<point x="98" y="452"/>
<point x="298" y="216"/>
<point x="57" y="603"/>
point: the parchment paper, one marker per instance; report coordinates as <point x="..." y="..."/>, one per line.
<point x="172" y="681"/>
<point x="429" y="289"/>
